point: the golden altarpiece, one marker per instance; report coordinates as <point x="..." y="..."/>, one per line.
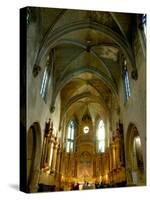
<point x="83" y="164"/>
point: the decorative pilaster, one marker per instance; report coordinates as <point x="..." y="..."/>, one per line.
<point x="53" y="165"/>
<point x="58" y="159"/>
<point x="50" y="146"/>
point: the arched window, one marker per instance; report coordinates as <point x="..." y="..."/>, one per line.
<point x="70" y="137"/>
<point x="126" y="81"/>
<point x="101" y="137"/>
<point x="44" y="84"/>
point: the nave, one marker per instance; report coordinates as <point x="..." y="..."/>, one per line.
<point x="85" y="125"/>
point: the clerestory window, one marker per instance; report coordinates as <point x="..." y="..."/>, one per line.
<point x="44" y="84"/>
<point x="70" y="137"/>
<point x="126" y="82"/>
<point x="101" y="137"/>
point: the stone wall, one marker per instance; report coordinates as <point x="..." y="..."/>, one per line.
<point x="37" y="109"/>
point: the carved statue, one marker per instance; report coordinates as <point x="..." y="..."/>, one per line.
<point x="47" y="127"/>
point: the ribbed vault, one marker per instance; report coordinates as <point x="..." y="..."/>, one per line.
<point x="86" y="49"/>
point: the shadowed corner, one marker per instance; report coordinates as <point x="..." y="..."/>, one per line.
<point x="14" y="186"/>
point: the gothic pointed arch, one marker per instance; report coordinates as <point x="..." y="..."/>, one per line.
<point x="34" y="151"/>
<point x="134" y="157"/>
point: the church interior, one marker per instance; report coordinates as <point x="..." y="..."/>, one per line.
<point x="85" y="123"/>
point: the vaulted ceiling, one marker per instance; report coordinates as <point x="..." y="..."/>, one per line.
<point x="87" y="46"/>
